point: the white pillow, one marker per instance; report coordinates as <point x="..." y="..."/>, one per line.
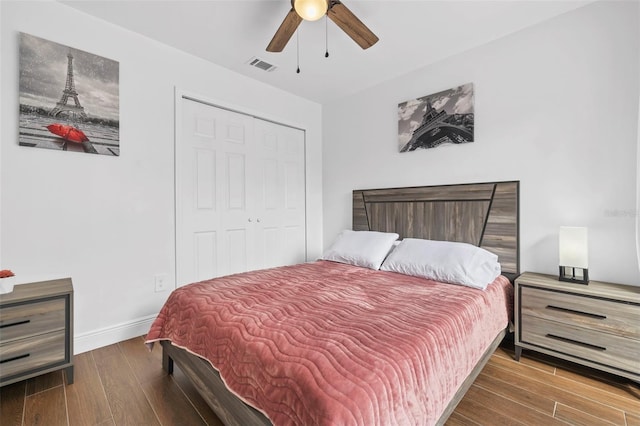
<point x="444" y="261"/>
<point x="361" y="248"/>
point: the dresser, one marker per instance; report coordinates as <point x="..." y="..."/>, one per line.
<point x="36" y="330"/>
<point x="597" y="325"/>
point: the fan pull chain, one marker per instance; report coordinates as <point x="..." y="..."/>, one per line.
<point x="298" y="50"/>
<point x="326" y="37"/>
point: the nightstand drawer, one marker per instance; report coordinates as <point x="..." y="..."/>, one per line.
<point x="612" y="317"/>
<point x="27" y="354"/>
<point x="30" y="319"/>
<point x="583" y="343"/>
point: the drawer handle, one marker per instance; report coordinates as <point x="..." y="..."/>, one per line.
<point x="2" y="361"/>
<point x="576" y="342"/>
<point x="15" y="323"/>
<point x="585" y="314"/>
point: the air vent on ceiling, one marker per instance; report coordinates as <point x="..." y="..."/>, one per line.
<point x="259" y="63"/>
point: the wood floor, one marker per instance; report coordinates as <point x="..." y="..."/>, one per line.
<point x="123" y="384"/>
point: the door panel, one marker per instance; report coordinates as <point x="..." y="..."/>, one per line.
<point x="240" y="193"/>
<point x="270" y="181"/>
<point x="205" y="126"/>
<point x="294" y="238"/>
<point x="196" y="213"/>
<point x="272" y="246"/>
<point x="292" y="190"/>
<point x="236" y="182"/>
<point x="236" y="244"/>
<point x="269" y="141"/>
<point x="236" y="129"/>
<point x="205" y="179"/>
<point x="280" y="196"/>
<point x="210" y="191"/>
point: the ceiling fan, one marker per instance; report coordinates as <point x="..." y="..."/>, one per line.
<point x="312" y="10"/>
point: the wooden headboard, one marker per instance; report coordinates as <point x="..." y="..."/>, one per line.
<point x="483" y="214"/>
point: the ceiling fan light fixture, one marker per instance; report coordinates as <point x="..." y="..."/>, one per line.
<point x="315" y="9"/>
<point x="311" y="10"/>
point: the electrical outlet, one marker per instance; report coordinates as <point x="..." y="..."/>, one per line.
<point x="161" y="282"/>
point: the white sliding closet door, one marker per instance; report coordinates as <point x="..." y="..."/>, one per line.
<point x="239" y="193"/>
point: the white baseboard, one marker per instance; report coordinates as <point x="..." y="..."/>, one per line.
<point x="109" y="335"/>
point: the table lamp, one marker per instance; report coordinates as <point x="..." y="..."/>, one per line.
<point x="574" y="255"/>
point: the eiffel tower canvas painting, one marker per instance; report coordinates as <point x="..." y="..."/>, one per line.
<point x="445" y="117"/>
<point x="69" y="98"/>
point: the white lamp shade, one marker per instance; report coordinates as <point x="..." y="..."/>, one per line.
<point x="574" y="250"/>
<point x="311" y="10"/>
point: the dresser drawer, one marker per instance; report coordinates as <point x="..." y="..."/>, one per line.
<point x="27" y="354"/>
<point x="584" y="343"/>
<point x="31" y="319"/>
<point x="618" y="318"/>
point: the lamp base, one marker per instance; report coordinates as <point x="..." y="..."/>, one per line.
<point x="574" y="275"/>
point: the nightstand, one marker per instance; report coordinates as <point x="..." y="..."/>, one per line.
<point x="597" y="325"/>
<point x="36" y="330"/>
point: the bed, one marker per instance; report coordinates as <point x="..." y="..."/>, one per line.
<point x="335" y="364"/>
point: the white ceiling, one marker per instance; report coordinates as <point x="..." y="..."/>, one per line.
<point x="412" y="34"/>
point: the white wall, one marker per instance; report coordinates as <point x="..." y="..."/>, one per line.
<point x="109" y="221"/>
<point x="556" y="107"/>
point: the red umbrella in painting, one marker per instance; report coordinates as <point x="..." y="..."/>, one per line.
<point x="69" y="133"/>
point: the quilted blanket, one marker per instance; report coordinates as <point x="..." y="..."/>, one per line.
<point x="326" y="343"/>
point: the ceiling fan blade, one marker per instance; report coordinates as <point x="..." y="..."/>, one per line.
<point x="285" y="31"/>
<point x="351" y="25"/>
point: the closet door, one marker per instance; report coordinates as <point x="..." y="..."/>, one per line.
<point x="280" y="195"/>
<point x="213" y="232"/>
<point x="240" y="193"/>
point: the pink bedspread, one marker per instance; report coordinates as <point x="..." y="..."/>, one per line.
<point x="331" y="344"/>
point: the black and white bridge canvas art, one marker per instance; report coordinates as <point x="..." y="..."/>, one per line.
<point x="69" y="98"/>
<point x="441" y="118"/>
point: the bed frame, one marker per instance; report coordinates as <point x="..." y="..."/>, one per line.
<point x="483" y="214"/>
